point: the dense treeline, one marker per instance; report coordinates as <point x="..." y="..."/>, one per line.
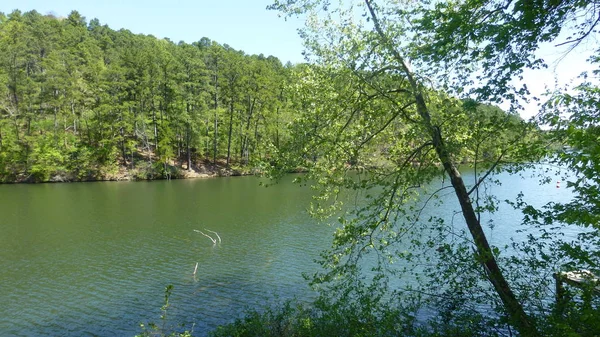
<point x="82" y="101"/>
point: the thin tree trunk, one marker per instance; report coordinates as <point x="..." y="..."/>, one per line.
<point x="74" y="117"/>
<point x="216" y="116"/>
<point x="277" y="128"/>
<point x="206" y="143"/>
<point x="230" y="132"/>
<point x="245" y="141"/>
<point x="56" y="126"/>
<point x="241" y="141"/>
<point x="122" y="132"/>
<point x="256" y="147"/>
<point x="16" y="124"/>
<point x="154" y="121"/>
<point x="215" y="138"/>
<point x="189" y="154"/>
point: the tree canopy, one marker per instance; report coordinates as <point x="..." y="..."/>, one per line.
<point x="82" y="101"/>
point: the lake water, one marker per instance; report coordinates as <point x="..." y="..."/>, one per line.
<point x="93" y="259"/>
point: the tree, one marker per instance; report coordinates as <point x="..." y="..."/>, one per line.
<point x="214" y="57"/>
<point x="195" y="91"/>
<point x="393" y="76"/>
<point x="232" y="78"/>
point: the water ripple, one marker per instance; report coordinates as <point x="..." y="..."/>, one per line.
<point x="100" y="266"/>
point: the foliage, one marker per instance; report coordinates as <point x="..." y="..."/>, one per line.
<point x="398" y="95"/>
<point x="387" y="77"/>
<point x="338" y="320"/>
<point x="81" y="101"/>
<point x="363" y="319"/>
<point x="572" y="119"/>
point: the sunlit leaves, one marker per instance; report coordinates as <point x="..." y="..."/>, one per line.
<point x="442" y="55"/>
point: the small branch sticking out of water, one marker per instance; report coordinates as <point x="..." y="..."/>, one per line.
<point x="217" y="234"/>
<point x="208" y="236"/>
<point x="195" y="269"/>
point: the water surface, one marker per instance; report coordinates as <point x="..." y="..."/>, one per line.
<point x="93" y="259"/>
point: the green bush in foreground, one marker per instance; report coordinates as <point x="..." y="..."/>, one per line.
<point x="369" y="316"/>
<point x="292" y="320"/>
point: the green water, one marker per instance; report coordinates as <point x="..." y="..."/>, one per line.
<point x="92" y="259"/>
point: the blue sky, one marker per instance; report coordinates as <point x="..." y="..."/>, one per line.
<point x="243" y="24"/>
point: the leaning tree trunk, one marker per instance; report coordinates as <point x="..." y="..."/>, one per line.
<point x="484" y="255"/>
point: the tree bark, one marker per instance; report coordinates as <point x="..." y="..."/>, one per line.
<point x="230" y="131"/>
<point x="216" y="116"/>
<point x="187" y="142"/>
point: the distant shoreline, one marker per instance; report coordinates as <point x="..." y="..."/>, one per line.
<point x="204" y="171"/>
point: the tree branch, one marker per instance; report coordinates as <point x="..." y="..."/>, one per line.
<point x="578" y="40"/>
<point x="489" y="171"/>
<point x="387" y="123"/>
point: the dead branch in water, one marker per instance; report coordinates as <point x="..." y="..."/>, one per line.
<point x="217" y="234"/>
<point x="208" y="236"/>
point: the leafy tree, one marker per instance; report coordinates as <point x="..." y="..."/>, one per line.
<point x="574" y="122"/>
<point x="232" y="78"/>
<point x="392" y="76"/>
<point x="572" y="116"/>
<point x="195" y="92"/>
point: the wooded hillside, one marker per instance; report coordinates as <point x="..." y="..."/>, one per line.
<point x="81" y="101"/>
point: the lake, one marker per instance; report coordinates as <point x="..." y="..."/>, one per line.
<point x="93" y="259"/>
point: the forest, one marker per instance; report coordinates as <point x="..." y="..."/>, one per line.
<point x="80" y="101"/>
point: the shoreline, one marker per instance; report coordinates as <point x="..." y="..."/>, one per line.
<point x="205" y="171"/>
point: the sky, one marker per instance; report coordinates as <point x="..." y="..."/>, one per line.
<point x="246" y="25"/>
<point x="242" y="24"/>
<point x="564" y="69"/>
